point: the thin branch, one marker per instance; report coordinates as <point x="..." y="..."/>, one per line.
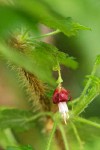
<point x="87" y="95"/>
<point x="59" y="80"/>
<point x="77" y="136"/>
<point x="51" y="136"/>
<point x="38" y="115"/>
<point x="86" y="87"/>
<point x="45" y="35"/>
<point x="85" y="121"/>
<point x="73" y="101"/>
<point x="85" y="102"/>
<point x="64" y="136"/>
<point x="89" y="81"/>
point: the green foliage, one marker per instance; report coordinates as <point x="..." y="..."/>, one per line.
<point x="40" y="59"/>
<point x="86" y="135"/>
<point x="66" y="25"/>
<point x="64" y="137"/>
<point x="88" y="132"/>
<point x="12" y="16"/>
<point x="98" y="60"/>
<point x="91" y="91"/>
<point x="95" y="81"/>
<point x="7" y="138"/>
<point x="89" y="122"/>
<point x="20" y="148"/>
<point x="23" y="12"/>
<point x="15" y="119"/>
<point x="19" y="119"/>
<point x="27" y="63"/>
<point x="50" y="55"/>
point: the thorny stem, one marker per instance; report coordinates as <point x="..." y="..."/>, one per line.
<point x="85" y="99"/>
<point x="77" y="136"/>
<point x="45" y="35"/>
<point x="64" y="136"/>
<point x="85" y="121"/>
<point x="89" y="81"/>
<point x="86" y="87"/>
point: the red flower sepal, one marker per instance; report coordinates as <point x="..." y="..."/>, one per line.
<point x="60" y="97"/>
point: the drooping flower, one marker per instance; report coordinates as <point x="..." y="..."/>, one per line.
<point x="61" y="96"/>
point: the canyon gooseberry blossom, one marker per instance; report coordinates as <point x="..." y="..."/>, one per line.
<point x="61" y="97"/>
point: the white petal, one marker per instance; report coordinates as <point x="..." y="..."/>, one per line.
<point x="63" y="109"/>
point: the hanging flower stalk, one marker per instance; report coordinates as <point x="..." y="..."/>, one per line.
<point x="61" y="96"/>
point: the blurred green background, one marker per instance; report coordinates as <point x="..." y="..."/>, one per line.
<point x="84" y="47"/>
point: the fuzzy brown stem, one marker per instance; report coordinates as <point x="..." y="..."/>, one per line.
<point x="34" y="87"/>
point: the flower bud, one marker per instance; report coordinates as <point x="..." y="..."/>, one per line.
<point x="60" y="95"/>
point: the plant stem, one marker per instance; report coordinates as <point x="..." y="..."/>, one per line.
<point x="51" y="135"/>
<point x="89" y="81"/>
<point x="60" y="80"/>
<point x="45" y="35"/>
<point x="73" y="101"/>
<point x="85" y="121"/>
<point x="77" y="135"/>
<point x="85" y="102"/>
<point x="86" y="87"/>
<point x="39" y="115"/>
<point x="64" y="136"/>
<point x="86" y="98"/>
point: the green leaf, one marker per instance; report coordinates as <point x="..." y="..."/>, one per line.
<point x="48" y="17"/>
<point x="39" y="59"/>
<point x="15" y="119"/>
<point x="66" y="60"/>
<point x="19" y="119"/>
<point x="50" y="55"/>
<point x="30" y="12"/>
<point x="28" y="63"/>
<point x="65" y="25"/>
